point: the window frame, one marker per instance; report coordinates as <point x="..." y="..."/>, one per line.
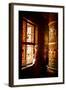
<point x="29" y="43"/>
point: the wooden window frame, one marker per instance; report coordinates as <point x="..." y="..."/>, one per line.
<point x="28" y="43"/>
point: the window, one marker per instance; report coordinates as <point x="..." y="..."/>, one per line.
<point x="52" y="54"/>
<point x="29" y="41"/>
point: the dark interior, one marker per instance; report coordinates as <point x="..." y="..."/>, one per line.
<point x="39" y="69"/>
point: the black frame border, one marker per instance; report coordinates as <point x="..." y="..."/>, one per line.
<point x="11" y="43"/>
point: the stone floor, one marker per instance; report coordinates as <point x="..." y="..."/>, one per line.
<point x="33" y="72"/>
